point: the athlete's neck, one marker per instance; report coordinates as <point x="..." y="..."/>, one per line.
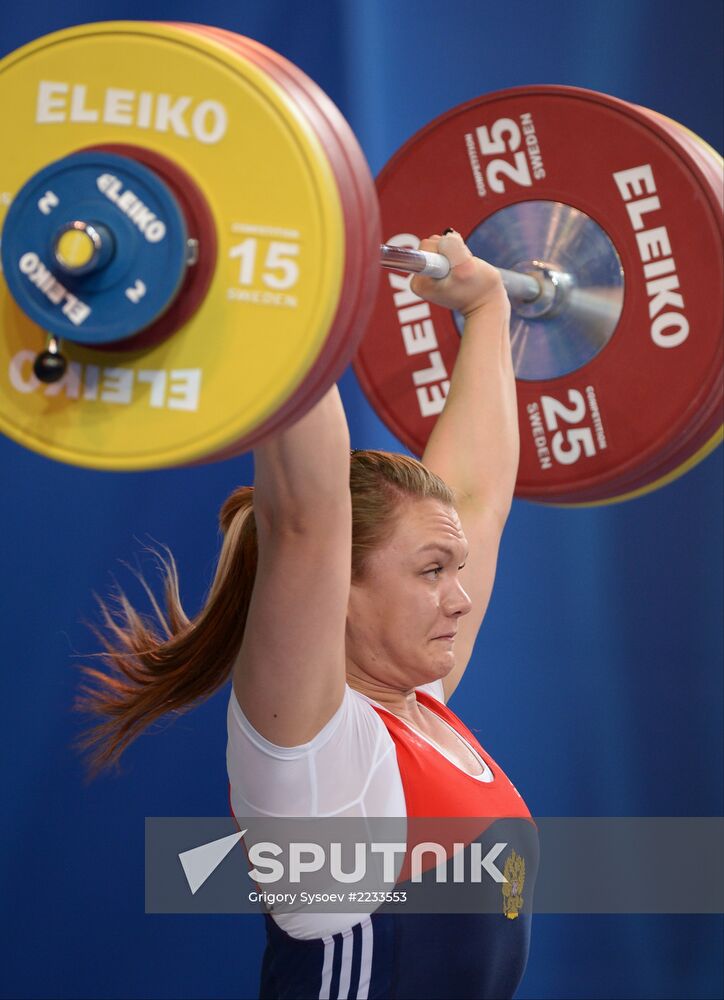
<point x="400" y="701"/>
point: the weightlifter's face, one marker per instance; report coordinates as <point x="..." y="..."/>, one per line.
<point x="404" y="614"/>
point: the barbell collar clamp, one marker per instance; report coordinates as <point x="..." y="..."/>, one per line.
<point x="192" y="251"/>
<point x="554" y="287"/>
<point x="50" y="365"/>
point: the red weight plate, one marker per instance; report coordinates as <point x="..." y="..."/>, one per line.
<point x="705" y="430"/>
<point x="564" y="145"/>
<point x="359" y="204"/>
<point x="699" y="445"/>
<point x="650" y="487"/>
<point x="683" y="454"/>
<point x="712" y="166"/>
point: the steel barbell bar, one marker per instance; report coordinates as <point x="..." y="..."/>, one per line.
<point x="518" y="285"/>
<point x="550" y="289"/>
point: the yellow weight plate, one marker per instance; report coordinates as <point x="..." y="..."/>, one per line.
<point x="278" y="275"/>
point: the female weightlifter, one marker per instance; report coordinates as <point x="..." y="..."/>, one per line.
<point x="345" y="605"/>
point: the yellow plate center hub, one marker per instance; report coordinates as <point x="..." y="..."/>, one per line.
<point x="75" y="249"/>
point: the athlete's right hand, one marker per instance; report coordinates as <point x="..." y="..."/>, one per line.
<point x="469" y="286"/>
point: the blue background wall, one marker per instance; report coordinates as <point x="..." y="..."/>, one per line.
<point x="597" y="680"/>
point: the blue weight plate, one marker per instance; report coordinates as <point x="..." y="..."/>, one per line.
<point x="142" y="259"/>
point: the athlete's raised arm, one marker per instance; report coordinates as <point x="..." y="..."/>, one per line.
<point x="474" y="445"/>
<point x="289" y="675"/>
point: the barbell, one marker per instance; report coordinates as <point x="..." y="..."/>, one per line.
<point x="191" y="252"/>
